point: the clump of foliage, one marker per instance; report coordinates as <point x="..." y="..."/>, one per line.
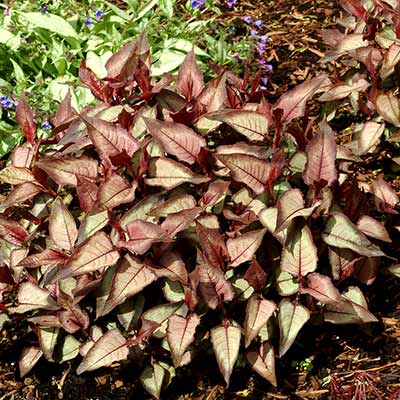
<point x="179" y="215"/>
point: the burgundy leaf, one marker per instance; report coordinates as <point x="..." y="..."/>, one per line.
<point x="214" y="193"/>
<point x="89" y="79"/>
<point x="262" y="361"/>
<point x="256" y="276"/>
<point x="366" y="269"/>
<point x="26" y="119"/>
<point x="180" y="221"/>
<point x="321" y="156"/>
<point x="21" y="194"/>
<point x="172" y="267"/>
<point x="190" y="81"/>
<point x="385" y="198"/>
<point x="64" y="111"/>
<point x="321" y="287"/>
<point x="12" y="232"/>
<point x="214" y="94"/>
<point x="87" y="194"/>
<point x="74" y="318"/>
<point x="373" y="228"/>
<point x="45" y="258"/>
<point x="342" y="262"/>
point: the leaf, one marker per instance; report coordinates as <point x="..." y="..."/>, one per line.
<point x="392" y="58"/>
<point x="340" y="232"/>
<point x="388" y="106"/>
<point x="114" y="191"/>
<point x="256" y="276"/>
<point x="67" y="170"/>
<point x="32" y="297"/>
<point x="48" y="340"/>
<point x="62" y="226"/>
<point x="258" y="312"/>
<point x="51" y="22"/>
<point x="373" y="228"/>
<point x="212" y="244"/>
<point x="111" y="347"/>
<point x="321" y="287"/>
<point x="369" y="137"/>
<point x="142" y="235"/>
<point x="226" y="341"/>
<point x="190" y="81"/>
<point x="45" y="258"/>
<point x="29" y="357"/>
<point x="248" y="169"/>
<point x="342" y="90"/>
<point x="342" y="262"/>
<point x="243" y="247"/>
<point x="152" y="379"/>
<point x="176" y="139"/>
<point x="170" y="174"/>
<point x="12" y="231"/>
<point x="26" y="119"/>
<point x="180" y="221"/>
<point x="172" y="267"/>
<point x="130" y="278"/>
<point x="321" y="156"/>
<point x="22" y="155"/>
<point x="69" y="348"/>
<point x="16" y="175"/>
<point x="386" y="197"/>
<point x="253" y="125"/>
<point x="293" y="102"/>
<point x="215" y="192"/>
<point x="262" y="361"/>
<point x="20" y="194"/>
<point x="291" y="319"/>
<point x="97" y="252"/>
<point x="180" y="334"/>
<point x="174" y="205"/>
<point x="299" y="255"/>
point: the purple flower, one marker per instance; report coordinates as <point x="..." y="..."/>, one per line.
<point x="6" y="103"/>
<point x="258" y="23"/>
<point x="231" y="3"/>
<point x="6" y="11"/>
<point x="264" y="80"/>
<point x="262" y="87"/>
<point x="46" y="125"/>
<point x="99" y="14"/>
<point x="261" y="48"/>
<point x="247" y="19"/>
<point x="268" y="67"/>
<point x="264" y="38"/>
<point x="88" y="21"/>
<point x="198" y="4"/>
<point x="253" y="32"/>
<point x="236" y="57"/>
<point x="43" y="9"/>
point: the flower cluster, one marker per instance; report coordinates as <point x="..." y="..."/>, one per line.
<point x="231" y="3"/>
<point x="98" y="16"/>
<point x="46" y="125"/>
<point x="6" y="102"/>
<point x="198" y="4"/>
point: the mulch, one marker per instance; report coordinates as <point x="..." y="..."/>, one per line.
<point x="364" y="361"/>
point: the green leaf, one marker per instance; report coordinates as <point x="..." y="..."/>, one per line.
<point x="51" y="22"/>
<point x="8" y="140"/>
<point x="10" y="40"/>
<point x="152" y="379"/>
<point x="146" y="9"/>
<point x="167" y="7"/>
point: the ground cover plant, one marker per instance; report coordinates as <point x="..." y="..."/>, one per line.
<point x="42" y="45"/>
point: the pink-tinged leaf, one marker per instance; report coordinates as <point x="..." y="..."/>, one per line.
<point x="180" y="221"/>
<point x="388" y="106"/>
<point x="48" y="340"/>
<point x="258" y="312"/>
<point x="226" y="342"/>
<point x="262" y="361"/>
<point x="213" y="245"/>
<point x="242" y="248"/>
<point x="392" y="58"/>
<point x="190" y="81"/>
<point x="26" y="119"/>
<point x="340" y="232"/>
<point x="172" y="267"/>
<point x="256" y="276"/>
<point x="180" y="335"/>
<point x="291" y="318"/>
<point x="385" y="197"/>
<point x="64" y="110"/>
<point x="353" y="7"/>
<point x="152" y="378"/>
<point x="97" y="252"/>
<point x="111" y="347"/>
<point x="122" y="65"/>
<point x="366" y="269"/>
<point x="368" y="55"/>
<point x="74" y="318"/>
<point x="170" y="174"/>
<point x="45" y="258"/>
<point x="50" y="321"/>
<point x="29" y="357"/>
<point x="213" y="286"/>
<point x="89" y="78"/>
<point x="16" y="175"/>
<point x="373" y="228"/>
<point x="174" y="205"/>
<point x="253" y="125"/>
<point x="32" y="297"/>
<point x="321" y="156"/>
<point x="114" y="191"/>
<point x="299" y="255"/>
<point x="22" y="156"/>
<point x="21" y="193"/>
<point x="342" y="262"/>
<point x="293" y="102"/>
<point x="258" y="151"/>
<point x="142" y="235"/>
<point x="12" y="231"/>
<point x="369" y="137"/>
<point x="250" y="170"/>
<point x="17" y="255"/>
<point x="291" y="205"/>
<point x="176" y="139"/>
<point x="331" y="37"/>
<point x="130" y="278"/>
<point x="214" y="193"/>
<point x="109" y="139"/>
<point x="67" y="170"/>
<point x="91" y="224"/>
<point x="354" y="310"/>
<point x="321" y="287"/>
<point x="214" y="95"/>
<point x="87" y="194"/>
<point x="350" y="43"/>
<point x="62" y="226"/>
<point x="342" y="90"/>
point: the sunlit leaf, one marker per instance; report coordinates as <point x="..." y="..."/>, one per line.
<point x="262" y="361"/>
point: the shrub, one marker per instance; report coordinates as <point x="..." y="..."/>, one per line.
<point x="177" y="214"/>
